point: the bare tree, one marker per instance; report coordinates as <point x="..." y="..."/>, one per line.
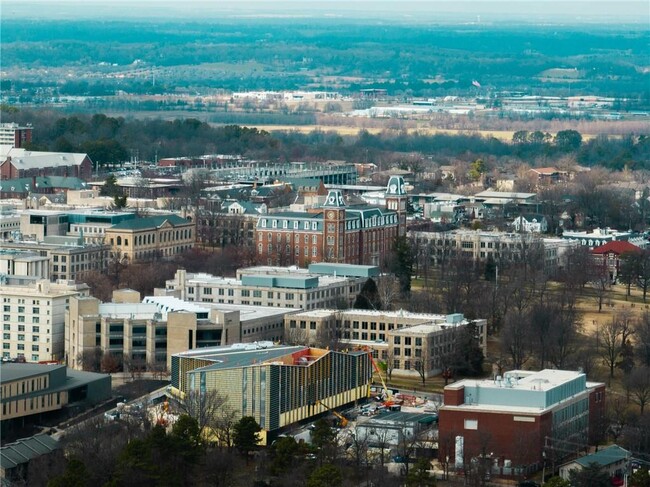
<point x="515" y="338"/>
<point x="90" y="360"/>
<point x="611" y="338"/>
<point x="204" y="406"/>
<point x="601" y="282"/>
<point x="296" y="336"/>
<point x="642" y="333"/>
<point x="388" y="290"/>
<point x="422" y="363"/>
<point x="638" y="382"/>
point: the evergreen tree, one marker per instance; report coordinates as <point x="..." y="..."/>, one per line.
<point x="368" y="297"/>
<point x="246" y="435"/>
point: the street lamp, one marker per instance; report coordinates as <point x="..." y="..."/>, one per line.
<point x="544" y="467"/>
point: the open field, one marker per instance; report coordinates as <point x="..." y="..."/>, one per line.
<point x="505" y="135"/>
<point x="615" y="302"/>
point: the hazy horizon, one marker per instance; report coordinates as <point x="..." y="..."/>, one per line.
<point x="417" y="11"/>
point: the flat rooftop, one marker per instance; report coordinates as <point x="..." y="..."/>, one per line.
<point x="170" y="304"/>
<point x="425" y="317"/>
<point x="135" y="311"/>
<point x="528" y="380"/>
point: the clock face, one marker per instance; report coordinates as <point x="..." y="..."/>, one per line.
<point x="330" y="214"/>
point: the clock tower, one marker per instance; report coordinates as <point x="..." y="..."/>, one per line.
<point x="396" y="201"/>
<point x="334" y="227"/>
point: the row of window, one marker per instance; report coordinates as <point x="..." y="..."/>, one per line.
<point x="21" y="347"/>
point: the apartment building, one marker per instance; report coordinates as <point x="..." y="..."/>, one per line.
<point x="410" y="344"/>
<point x="148" y="332"/>
<point x="33" y="317"/>
<point x="30" y="389"/>
<point x="320" y="286"/>
<point x="143" y="239"/>
<point x="278" y="385"/>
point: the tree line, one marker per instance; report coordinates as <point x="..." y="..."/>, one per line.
<point x="110" y="140"/>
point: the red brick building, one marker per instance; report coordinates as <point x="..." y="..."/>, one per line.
<point x="336" y="232"/>
<point x="516" y="419"/>
<point x="21" y="163"/>
<point x="609" y="255"/>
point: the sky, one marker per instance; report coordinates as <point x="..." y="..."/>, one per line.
<point x="536" y="11"/>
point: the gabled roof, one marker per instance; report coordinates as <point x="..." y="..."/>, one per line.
<point x="24" y="159"/>
<point x="605" y="456"/>
<point x="23" y="450"/>
<point x="150" y="222"/>
<point x="25" y="185"/>
<point x="618" y="247"/>
<point x="547" y="171"/>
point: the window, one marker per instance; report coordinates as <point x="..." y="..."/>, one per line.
<point x="396" y="352"/>
<point x="34" y="348"/>
<point x="7" y="309"/>
<point x="21" y="309"/>
<point x="21" y="319"/>
<point x="471" y="424"/>
<point x="36" y="311"/>
<point x="36" y="319"/>
<point x="21" y="327"/>
<point x="397" y="340"/>
<point x="6" y="336"/>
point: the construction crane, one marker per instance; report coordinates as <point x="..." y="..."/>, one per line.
<point x="343" y="421"/>
<point x="387" y="394"/>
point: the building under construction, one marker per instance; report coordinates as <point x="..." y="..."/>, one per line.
<point x="277" y="385"/>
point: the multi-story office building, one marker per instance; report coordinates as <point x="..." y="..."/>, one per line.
<point x="14" y="135"/>
<point x="515" y="416"/>
<point x="277" y="385"/>
<point x="30" y="389"/>
<point x="69" y="258"/>
<point x="335" y="232"/>
<point x="143" y="239"/>
<point x="148" y="332"/>
<point x="322" y="285"/>
<point x="33" y="317"/>
<point x="411" y="344"/>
